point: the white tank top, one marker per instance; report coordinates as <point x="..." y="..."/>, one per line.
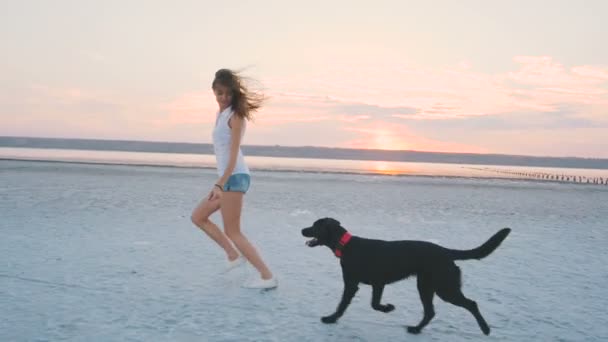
<point x="221" y="144"/>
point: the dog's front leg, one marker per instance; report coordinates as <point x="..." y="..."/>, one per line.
<point x="377" y="290"/>
<point x="350" y="288"/>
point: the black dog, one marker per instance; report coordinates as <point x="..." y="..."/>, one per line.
<point x="378" y="263"/>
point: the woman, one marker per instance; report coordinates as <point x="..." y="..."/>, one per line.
<point x="236" y="105"/>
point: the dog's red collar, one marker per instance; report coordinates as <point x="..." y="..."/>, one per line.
<point x="343" y="241"/>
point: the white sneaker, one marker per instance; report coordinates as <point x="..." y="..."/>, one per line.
<point x="259" y="283"/>
<point x="240" y="260"/>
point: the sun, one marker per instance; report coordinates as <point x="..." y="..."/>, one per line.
<point x="387" y="140"/>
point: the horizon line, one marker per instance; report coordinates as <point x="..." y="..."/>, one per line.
<point x="310" y="146"/>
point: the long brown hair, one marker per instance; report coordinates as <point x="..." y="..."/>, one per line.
<point x="244" y="100"/>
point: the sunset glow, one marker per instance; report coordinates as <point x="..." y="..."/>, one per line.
<point x="399" y="77"/>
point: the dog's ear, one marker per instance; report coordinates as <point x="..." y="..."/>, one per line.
<point x="332" y="222"/>
<point x="332" y="230"/>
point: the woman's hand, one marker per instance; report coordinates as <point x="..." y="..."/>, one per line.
<point x="216" y="193"/>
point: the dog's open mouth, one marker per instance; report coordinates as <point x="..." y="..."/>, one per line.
<point x="312" y="242"/>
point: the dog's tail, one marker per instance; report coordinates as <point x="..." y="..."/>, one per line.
<point x="484" y="250"/>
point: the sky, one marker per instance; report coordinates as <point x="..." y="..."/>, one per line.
<point x="511" y="77"/>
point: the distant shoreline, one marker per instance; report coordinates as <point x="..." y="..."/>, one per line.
<point x="308" y="152"/>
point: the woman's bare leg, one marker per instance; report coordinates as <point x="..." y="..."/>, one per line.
<point x="200" y="217"/>
<point x="231" y="206"/>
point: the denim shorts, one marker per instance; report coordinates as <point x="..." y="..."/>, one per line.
<point x="238" y="182"/>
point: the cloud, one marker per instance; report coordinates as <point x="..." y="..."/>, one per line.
<point x="561" y="118"/>
<point x="190" y="108"/>
<point x="358" y="109"/>
<point x="363" y="92"/>
<point x="407" y="105"/>
<point x="297" y="107"/>
<point x="545" y="72"/>
<point x="550" y="83"/>
<point x="353" y="118"/>
<point x="46" y="110"/>
<point x="591" y="72"/>
<point x="539" y="84"/>
<point x="43" y="100"/>
<point x="378" y="135"/>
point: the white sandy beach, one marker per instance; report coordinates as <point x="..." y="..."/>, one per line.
<point x="108" y="253"/>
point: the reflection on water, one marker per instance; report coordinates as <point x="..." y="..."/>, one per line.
<point x="314" y="165"/>
<point x="385" y="168"/>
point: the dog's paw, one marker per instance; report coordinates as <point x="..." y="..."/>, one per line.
<point x="413" y="330"/>
<point x="329" y="319"/>
<point x="387" y="308"/>
<point x="384" y="308"/>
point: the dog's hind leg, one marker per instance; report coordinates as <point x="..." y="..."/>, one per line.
<point x="426" y="291"/>
<point x="350" y="288"/>
<point x="457" y="298"/>
<point x="377" y="290"/>
<point x="451" y="292"/>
